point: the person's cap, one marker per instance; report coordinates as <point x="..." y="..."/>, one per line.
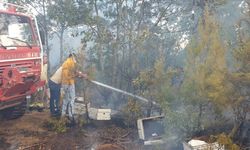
<point x="74" y="56"/>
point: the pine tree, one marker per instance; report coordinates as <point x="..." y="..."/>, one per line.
<point x="205" y="74"/>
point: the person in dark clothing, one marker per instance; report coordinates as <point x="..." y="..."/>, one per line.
<point x="55" y="92"/>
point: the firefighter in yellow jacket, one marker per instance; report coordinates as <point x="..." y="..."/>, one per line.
<point x="69" y="73"/>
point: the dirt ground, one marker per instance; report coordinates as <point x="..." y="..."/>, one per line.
<point x="29" y="133"/>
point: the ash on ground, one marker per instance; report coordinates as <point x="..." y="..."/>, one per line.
<point x="28" y="132"/>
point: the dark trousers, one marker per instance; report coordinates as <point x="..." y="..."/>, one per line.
<point x="54" y="97"/>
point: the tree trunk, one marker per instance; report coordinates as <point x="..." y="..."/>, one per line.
<point x="100" y="47"/>
<point x="46" y="40"/>
<point x="235" y="129"/>
<point x="199" y="117"/>
<point x="61" y="45"/>
<point x="116" y="46"/>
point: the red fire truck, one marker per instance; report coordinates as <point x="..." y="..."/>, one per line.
<point x="21" y="60"/>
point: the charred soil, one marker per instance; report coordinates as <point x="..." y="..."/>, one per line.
<point x="28" y="132"/>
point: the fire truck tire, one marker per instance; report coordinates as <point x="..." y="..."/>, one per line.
<point x="15" y="112"/>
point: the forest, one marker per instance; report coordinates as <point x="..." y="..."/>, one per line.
<point x="192" y="57"/>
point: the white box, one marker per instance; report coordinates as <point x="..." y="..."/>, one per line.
<point x="201" y="145"/>
<point x="99" y="114"/>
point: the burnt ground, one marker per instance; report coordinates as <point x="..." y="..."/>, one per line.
<point x="28" y="132"/>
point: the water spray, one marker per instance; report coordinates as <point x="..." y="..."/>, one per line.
<point x="123" y="92"/>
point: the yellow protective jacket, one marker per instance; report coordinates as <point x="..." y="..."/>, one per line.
<point x="68" y="71"/>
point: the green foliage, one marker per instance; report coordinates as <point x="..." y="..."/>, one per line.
<point x="240" y="78"/>
<point x="205" y="90"/>
<point x="128" y="38"/>
<point x="67" y="12"/>
<point x="155" y="83"/>
<point x="181" y="123"/>
<point x="242" y="56"/>
<point x="206" y="67"/>
<point x="220" y="2"/>
<point x="56" y="125"/>
<point x="132" y="111"/>
<point x="64" y="14"/>
<point x="223" y="139"/>
<point x="90" y="69"/>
